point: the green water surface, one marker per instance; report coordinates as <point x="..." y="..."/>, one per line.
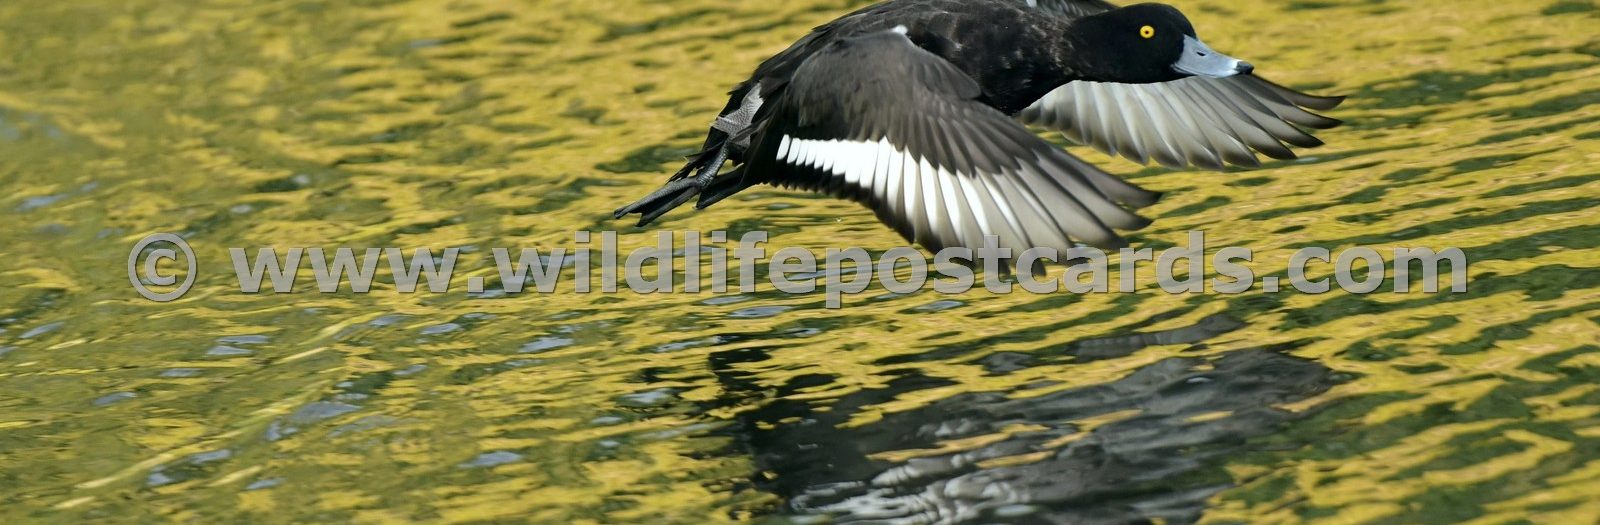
<point x="485" y="123"/>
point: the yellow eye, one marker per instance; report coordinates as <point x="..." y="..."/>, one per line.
<point x="1147" y="31"/>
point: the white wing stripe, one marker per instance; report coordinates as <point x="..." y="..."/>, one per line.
<point x="865" y="164"/>
<point x="949" y="208"/>
<point x="783" y="148"/>
<point x="879" y="184"/>
<point x="975" y="203"/>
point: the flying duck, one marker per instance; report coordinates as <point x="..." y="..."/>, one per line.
<point x="917" y="109"/>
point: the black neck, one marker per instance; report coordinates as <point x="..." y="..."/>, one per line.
<point x="1045" y="61"/>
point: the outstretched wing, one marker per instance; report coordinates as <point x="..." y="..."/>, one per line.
<point x="1194" y="121"/>
<point x="879" y="120"/>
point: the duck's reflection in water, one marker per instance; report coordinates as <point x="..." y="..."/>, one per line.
<point x="1145" y="447"/>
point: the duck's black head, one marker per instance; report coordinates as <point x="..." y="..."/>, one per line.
<point x="1144" y="43"/>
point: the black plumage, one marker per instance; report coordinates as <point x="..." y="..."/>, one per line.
<point x="915" y="108"/>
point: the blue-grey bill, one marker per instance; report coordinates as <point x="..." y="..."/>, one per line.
<point x="1198" y="59"/>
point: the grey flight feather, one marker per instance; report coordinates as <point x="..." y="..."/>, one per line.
<point x="1195" y="121"/>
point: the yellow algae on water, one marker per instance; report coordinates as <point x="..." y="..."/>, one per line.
<point x="499" y="123"/>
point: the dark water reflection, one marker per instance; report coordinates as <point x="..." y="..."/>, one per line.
<point x="1147" y="446"/>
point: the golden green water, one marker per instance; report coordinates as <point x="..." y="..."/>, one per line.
<point x="484" y="123"/>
